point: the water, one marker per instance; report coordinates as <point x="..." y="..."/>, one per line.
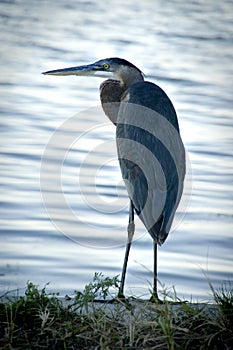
<point x="186" y="48"/>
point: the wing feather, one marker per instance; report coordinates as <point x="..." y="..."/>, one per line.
<point x="151" y="155"/>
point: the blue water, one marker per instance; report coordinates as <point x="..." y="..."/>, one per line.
<point x="63" y="203"/>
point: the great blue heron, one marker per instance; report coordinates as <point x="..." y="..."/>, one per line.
<point x="150" y="150"/>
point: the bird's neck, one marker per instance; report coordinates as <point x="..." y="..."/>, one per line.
<point x="129" y="76"/>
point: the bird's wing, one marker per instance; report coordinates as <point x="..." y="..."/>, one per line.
<point x="151" y="156"/>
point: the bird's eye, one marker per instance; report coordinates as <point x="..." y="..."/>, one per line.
<point x="106" y="66"/>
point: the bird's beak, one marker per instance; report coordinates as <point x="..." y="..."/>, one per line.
<point x="87" y="70"/>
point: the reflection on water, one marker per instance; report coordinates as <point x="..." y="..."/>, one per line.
<point x="190" y="57"/>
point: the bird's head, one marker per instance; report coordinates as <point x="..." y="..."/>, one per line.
<point x="114" y="67"/>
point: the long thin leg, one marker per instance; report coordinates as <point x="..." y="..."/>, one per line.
<point x="155" y="290"/>
<point x="154" y="297"/>
<point x="131" y="229"/>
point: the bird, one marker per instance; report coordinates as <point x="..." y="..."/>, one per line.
<point x="150" y="150"/>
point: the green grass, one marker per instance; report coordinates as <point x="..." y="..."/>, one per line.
<point x="39" y="320"/>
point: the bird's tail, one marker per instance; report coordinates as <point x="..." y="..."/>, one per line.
<point x="157" y="231"/>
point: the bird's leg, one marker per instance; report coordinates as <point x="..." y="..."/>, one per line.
<point x="154" y="296"/>
<point x="155" y="291"/>
<point x="131" y="228"/>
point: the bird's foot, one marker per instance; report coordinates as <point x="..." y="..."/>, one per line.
<point x="155" y="299"/>
<point x="123" y="300"/>
<point x="121" y="296"/>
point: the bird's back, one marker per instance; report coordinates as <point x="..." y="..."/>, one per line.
<point x="150" y="95"/>
<point x="151" y="156"/>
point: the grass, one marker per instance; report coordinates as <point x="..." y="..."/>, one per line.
<point x="39" y="320"/>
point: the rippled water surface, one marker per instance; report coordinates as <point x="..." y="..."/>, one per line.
<point x="58" y="156"/>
